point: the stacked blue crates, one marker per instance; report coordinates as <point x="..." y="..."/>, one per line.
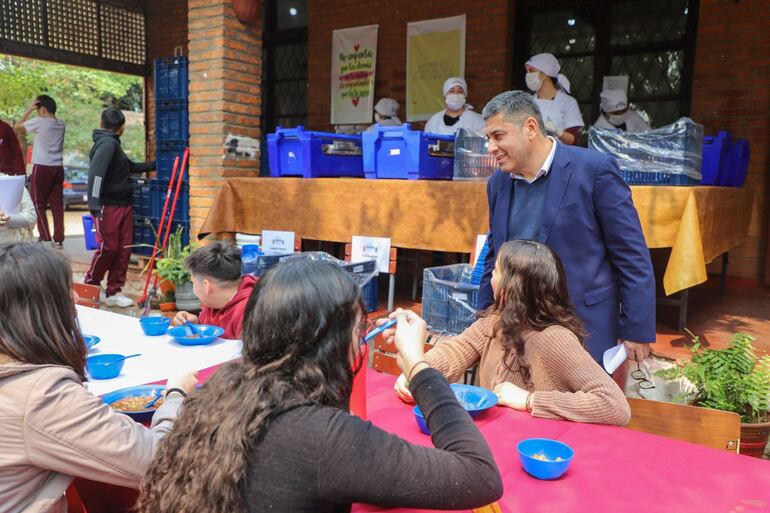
<point x="172" y="134"/>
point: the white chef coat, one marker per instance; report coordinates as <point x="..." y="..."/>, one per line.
<point x="468" y="119"/>
<point x="634" y="122"/>
<point x="562" y="112"/>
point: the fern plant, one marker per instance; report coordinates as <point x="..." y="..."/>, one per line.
<point x="171" y="266"/>
<point x="733" y="379"/>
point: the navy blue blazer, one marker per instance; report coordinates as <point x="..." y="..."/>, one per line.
<point x="590" y="221"/>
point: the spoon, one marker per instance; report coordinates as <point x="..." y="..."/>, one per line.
<point x="194" y="329"/>
<point x="376" y="331"/>
<point x="127" y="357"/>
<point x="155" y="400"/>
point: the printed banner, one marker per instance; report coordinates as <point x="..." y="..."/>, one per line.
<point x="354" y="57"/>
<point x="435" y="51"/>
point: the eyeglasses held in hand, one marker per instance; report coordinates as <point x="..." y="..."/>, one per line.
<point x="643" y="381"/>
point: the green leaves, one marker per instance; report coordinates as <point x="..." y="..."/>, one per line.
<point x="171" y="267"/>
<point x="732" y="379"/>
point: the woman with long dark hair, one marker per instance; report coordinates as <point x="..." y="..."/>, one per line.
<point x="51" y="428"/>
<point x="529" y="345"/>
<point x="272" y="431"/>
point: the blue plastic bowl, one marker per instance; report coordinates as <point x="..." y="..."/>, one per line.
<point x="140" y="391"/>
<point x="154" y="326"/>
<point x="184" y="336"/>
<point x="475" y="400"/>
<point x="550" y="449"/>
<point x="105" y="366"/>
<point x="91" y="341"/>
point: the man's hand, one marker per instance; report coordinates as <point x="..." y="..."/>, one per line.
<point x="636" y="351"/>
<point x="182" y="317"/>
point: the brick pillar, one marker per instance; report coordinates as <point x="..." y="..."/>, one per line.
<point x="225" y="90"/>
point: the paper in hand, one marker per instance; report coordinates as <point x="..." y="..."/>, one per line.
<point x="11" y="188"/>
<point x="614" y="357"/>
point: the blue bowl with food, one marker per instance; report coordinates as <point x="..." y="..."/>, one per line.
<point x="132" y="401"/>
<point x="544" y="458"/>
<point x="474" y="400"/>
<point x="91" y="341"/>
<point x="105" y="366"/>
<point x="154" y="326"/>
<point x="186" y="335"/>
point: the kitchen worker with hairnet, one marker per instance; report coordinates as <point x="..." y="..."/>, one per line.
<point x="458" y="113"/>
<point x="385" y="113"/>
<point x="617" y="115"/>
<point x="550" y="89"/>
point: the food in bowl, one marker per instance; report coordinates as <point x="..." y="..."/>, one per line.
<point x="543" y="457"/>
<point x="136" y="403"/>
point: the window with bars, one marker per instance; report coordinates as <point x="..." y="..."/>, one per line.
<point x="106" y="34"/>
<point x="650" y="41"/>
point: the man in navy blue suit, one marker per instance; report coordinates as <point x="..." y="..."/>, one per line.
<point x="575" y="201"/>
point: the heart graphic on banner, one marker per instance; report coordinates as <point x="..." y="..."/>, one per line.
<point x="355" y="102"/>
<point x="356" y="47"/>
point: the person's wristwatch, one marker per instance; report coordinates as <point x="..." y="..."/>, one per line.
<point x="175" y="390"/>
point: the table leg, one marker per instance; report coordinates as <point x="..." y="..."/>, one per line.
<point x="684" y="297"/>
<point x="723" y="274"/>
<point x="391" y="290"/>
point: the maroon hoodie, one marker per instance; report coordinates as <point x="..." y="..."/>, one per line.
<point x="230" y="316"/>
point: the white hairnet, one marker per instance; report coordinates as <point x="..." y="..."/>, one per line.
<point x="549" y="65"/>
<point x="455" y="81"/>
<point x="387" y="107"/>
<point x="613" y="100"/>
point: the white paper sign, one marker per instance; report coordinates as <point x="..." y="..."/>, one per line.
<point x="371" y="247"/>
<point x="480" y="241"/>
<point x="11" y="188"/>
<point x="277" y="243"/>
<point x="614" y="357"/>
<point x="354" y="60"/>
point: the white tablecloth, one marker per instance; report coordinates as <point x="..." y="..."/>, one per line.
<point x="161" y="358"/>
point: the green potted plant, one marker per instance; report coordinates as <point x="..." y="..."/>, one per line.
<point x="171" y="267"/>
<point x="733" y="379"/>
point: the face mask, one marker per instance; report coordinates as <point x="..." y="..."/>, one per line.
<point x="377" y="117"/>
<point x="616" y="119"/>
<point x="455" y="101"/>
<point x="533" y="81"/>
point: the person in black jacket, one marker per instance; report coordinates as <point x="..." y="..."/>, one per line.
<point x="272" y="433"/>
<point x="110" y="196"/>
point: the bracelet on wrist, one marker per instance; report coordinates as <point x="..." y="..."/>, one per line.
<point x="411" y="371"/>
<point x="176" y="390"/>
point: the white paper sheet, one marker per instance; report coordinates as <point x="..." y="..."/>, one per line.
<point x="377" y="248"/>
<point x="11" y="188"/>
<point x="161" y="358"/>
<point x="614" y="357"/>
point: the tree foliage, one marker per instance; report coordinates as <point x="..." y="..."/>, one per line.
<point x="80" y="93"/>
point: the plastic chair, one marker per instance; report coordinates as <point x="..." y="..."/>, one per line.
<point x="88" y="294"/>
<point x="703" y="426"/>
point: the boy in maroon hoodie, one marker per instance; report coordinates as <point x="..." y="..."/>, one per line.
<point x="217" y="282"/>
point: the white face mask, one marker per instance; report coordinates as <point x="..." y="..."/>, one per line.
<point x="616" y="119"/>
<point x="377" y="117"/>
<point x="533" y="81"/>
<point x="455" y="101"/>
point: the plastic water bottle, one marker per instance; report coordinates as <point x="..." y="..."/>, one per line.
<point x="250" y="254"/>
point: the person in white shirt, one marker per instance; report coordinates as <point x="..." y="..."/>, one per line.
<point x="458" y="113"/>
<point x="18" y="227"/>
<point x="560" y="111"/>
<point x="616" y="115"/>
<point x="47" y="180"/>
<point x="386" y="113"/>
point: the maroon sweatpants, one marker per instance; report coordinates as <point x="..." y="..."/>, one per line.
<point x="47" y="189"/>
<point x="114" y="234"/>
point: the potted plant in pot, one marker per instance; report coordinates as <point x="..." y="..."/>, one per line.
<point x="733" y="379"/>
<point x="171" y="267"/>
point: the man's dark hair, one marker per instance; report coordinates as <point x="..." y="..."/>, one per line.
<point x="112" y="118"/>
<point x="46" y="101"/>
<point x="218" y="260"/>
<point x="516" y="106"/>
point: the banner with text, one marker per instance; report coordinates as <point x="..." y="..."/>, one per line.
<point x="354" y="57"/>
<point x="435" y="51"/>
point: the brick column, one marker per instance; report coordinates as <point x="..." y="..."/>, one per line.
<point x="225" y="89"/>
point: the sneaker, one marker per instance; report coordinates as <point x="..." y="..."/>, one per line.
<point x="119" y="300"/>
<point x="102" y="295"/>
<point x="57" y="245"/>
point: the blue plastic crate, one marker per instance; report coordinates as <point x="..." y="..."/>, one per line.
<point x="370" y="294"/>
<point x="259" y="265"/>
<point x="653" y="178"/>
<point x="171" y="82"/>
<point x="165" y="153"/>
<point x="158" y="190"/>
<point x="299" y="152"/>
<point x="141" y="201"/>
<point x="716" y="158"/>
<point x="155" y="221"/>
<point x="143" y="237"/>
<point x="89" y="230"/>
<point x="400" y="152"/>
<point x="739" y="163"/>
<point x="449" y="298"/>
<point x="172" y="122"/>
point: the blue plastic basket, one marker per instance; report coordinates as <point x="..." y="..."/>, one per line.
<point x="449" y="298"/>
<point x="400" y="152"/>
<point x="89" y="229"/>
<point x="299" y="152"/>
<point x="739" y="163"/>
<point x="653" y="178"/>
<point x="165" y="153"/>
<point x="143" y="236"/>
<point x="158" y="189"/>
<point x="172" y="122"/>
<point x="141" y="201"/>
<point x="716" y="158"/>
<point x="260" y="264"/>
<point x="171" y="82"/>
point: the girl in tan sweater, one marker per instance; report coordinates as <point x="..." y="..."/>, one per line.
<point x="529" y="345"/>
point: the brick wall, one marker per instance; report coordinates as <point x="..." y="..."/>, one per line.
<point x="488" y="54"/>
<point x="732" y="92"/>
<point x="225" y="89"/>
<point x="166" y="30"/>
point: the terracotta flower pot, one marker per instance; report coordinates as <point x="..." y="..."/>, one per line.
<point x="167" y="307"/>
<point x="754" y="439"/>
<point x="165" y="286"/>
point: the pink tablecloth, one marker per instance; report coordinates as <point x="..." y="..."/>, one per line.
<point x="614" y="469"/>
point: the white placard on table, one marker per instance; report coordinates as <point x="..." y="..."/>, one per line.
<point x="480" y="241"/>
<point x="277" y="243"/>
<point x="378" y="248"/>
<point x="11" y="189"/>
<point x="161" y="357"/>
